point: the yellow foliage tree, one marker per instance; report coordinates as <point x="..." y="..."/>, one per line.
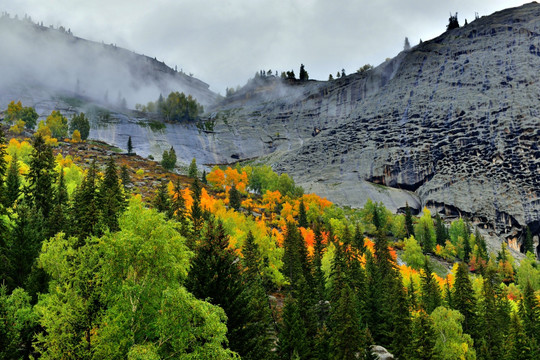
<point x="76" y="136"/>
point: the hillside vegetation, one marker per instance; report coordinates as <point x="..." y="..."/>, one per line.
<point x="105" y="255"/>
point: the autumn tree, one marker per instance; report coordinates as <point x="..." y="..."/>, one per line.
<point x="58" y="124"/>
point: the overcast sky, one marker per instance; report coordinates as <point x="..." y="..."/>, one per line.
<point x="224" y="42"/>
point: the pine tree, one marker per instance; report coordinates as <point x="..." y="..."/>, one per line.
<point x="203" y="177"/>
<point x="295" y="262"/>
<point x="216" y="275"/>
<point x="402" y="324"/>
<point x="431" y="295"/>
<point x="423" y="338"/>
<point x="358" y="240"/>
<point x="467" y="249"/>
<point x="85" y="208"/>
<point x="3" y="168"/>
<point x="111" y="198"/>
<point x="41" y="176"/>
<point x="192" y="170"/>
<point x="196" y="210"/>
<point x="346" y="334"/>
<point x="302" y="216"/>
<point x="303" y="73"/>
<point x="178" y="204"/>
<point x="13" y="182"/>
<point x="408" y="220"/>
<point x="260" y="328"/>
<point x="129" y="146"/>
<point x="518" y="346"/>
<point x="124" y="176"/>
<point x="292" y="335"/>
<point x="234" y="198"/>
<point x="463" y="299"/>
<point x="441" y="233"/>
<point x="161" y="201"/>
<point x="530" y="313"/>
<point x="59" y="217"/>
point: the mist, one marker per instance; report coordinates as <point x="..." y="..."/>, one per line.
<point x="39" y="63"/>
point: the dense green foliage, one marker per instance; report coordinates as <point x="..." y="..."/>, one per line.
<point x="80" y="122"/>
<point x="90" y="272"/>
<point x="177" y="107"/>
<point x="168" y="159"/>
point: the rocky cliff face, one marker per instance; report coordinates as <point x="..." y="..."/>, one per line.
<point x="452" y="124"/>
<point x="455" y="120"/>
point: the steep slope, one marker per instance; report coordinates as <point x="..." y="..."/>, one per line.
<point x="455" y="119"/>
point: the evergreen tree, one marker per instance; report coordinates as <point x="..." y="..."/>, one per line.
<point x="530" y="313"/>
<point x="518" y="346"/>
<point x="111" y="197"/>
<point x="41" y="176"/>
<point x="13" y="182"/>
<point x="85" y="208"/>
<point x="292" y="335"/>
<point x="295" y="262"/>
<point x="423" y="338"/>
<point x="129" y="146"/>
<point x="463" y="299"/>
<point x="346" y="335"/>
<point x="203" y="177"/>
<point x="431" y="295"/>
<point x="168" y="160"/>
<point x="358" y="240"/>
<point x="216" y="275"/>
<point x="3" y="169"/>
<point x="161" y="200"/>
<point x="402" y="324"/>
<point x="408" y="220"/>
<point x="453" y="22"/>
<point x="234" y="198"/>
<point x="124" y="176"/>
<point x="59" y="217"/>
<point x="467" y="249"/>
<point x="302" y="216"/>
<point x="178" y="204"/>
<point x="260" y="328"/>
<point x="196" y="210"/>
<point x="192" y="171"/>
<point x="490" y="345"/>
<point x="80" y="122"/>
<point x="441" y="233"/>
<point x="303" y="73"/>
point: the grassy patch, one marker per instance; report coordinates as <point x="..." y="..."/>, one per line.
<point x="154" y="125"/>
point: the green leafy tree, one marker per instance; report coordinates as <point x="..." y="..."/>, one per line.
<point x="412" y="253"/>
<point x="80" y="122"/>
<point x="122" y="296"/>
<point x="58" y="124"/>
<point x="17" y="324"/>
<point x="451" y="343"/>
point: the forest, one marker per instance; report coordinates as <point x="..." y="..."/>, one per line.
<point x="102" y="257"/>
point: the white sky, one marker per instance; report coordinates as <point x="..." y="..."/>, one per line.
<point x="224" y="42"/>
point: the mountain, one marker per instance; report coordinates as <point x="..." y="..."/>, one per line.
<point x="39" y="63"/>
<point x="452" y="124"/>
